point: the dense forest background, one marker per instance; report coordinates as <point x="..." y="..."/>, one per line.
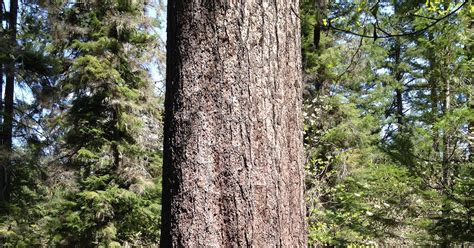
<point x="389" y="118"/>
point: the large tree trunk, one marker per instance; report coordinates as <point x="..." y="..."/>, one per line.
<point x="7" y="138"/>
<point x="233" y="149"/>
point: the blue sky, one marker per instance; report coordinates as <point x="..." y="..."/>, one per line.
<point x="156" y="75"/>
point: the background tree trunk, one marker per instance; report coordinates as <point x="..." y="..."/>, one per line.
<point x="2" y="32"/>
<point x="233" y="149"/>
<point x="8" y="111"/>
<point x="3" y="170"/>
<point x="399" y="91"/>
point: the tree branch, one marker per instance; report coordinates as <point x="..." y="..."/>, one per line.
<point x="388" y="35"/>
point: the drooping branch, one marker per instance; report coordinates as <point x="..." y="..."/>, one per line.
<point x="390" y="35"/>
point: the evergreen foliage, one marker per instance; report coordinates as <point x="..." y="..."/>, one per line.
<point x="90" y="176"/>
<point x="387" y="123"/>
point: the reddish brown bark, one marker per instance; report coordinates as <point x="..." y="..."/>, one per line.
<point x="233" y="150"/>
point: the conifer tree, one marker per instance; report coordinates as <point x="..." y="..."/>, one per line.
<point x="108" y="87"/>
<point x="388" y="159"/>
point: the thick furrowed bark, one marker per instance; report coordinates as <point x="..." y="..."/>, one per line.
<point x="233" y="169"/>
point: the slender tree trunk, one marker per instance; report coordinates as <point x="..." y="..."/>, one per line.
<point x="470" y="134"/>
<point x="399" y="79"/>
<point x="470" y="51"/>
<point x="2" y="72"/>
<point x="3" y="171"/>
<point x="2" y="32"/>
<point x="434" y="112"/>
<point x="8" y="113"/>
<point x="446" y="138"/>
<point x="435" y="105"/>
<point x="320" y="10"/>
<point x="434" y="98"/>
<point x="446" y="167"/>
<point x="233" y="146"/>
